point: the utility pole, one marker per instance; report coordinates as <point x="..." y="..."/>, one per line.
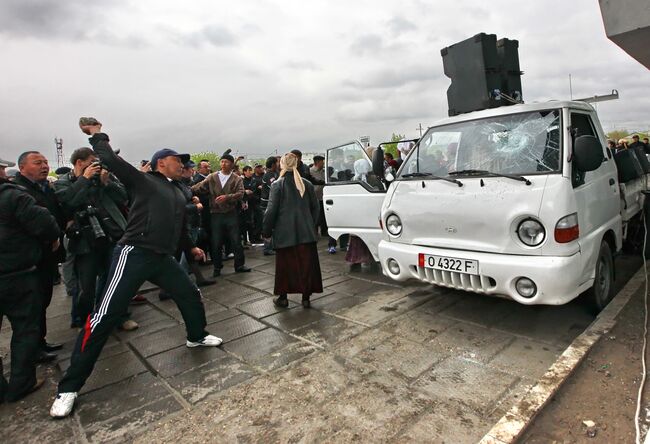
<point x="60" y="157"/>
<point x="419" y="128"/>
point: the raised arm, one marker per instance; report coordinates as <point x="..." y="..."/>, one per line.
<point x="127" y="173"/>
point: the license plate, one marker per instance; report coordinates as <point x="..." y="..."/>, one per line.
<point x="449" y="264"/>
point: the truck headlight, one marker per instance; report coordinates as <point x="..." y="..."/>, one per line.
<point x="394" y="224"/>
<point x="531" y="232"/>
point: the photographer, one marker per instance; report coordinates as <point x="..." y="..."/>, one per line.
<point x="93" y="197"/>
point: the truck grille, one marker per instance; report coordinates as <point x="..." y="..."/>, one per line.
<point x="461" y="281"/>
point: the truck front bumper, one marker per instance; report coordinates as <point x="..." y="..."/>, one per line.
<point x="557" y="279"/>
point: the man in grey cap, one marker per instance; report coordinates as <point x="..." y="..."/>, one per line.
<point x="5" y="164"/>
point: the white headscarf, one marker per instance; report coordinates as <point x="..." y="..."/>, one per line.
<point x="289" y="162"/>
<point x="361" y="169"/>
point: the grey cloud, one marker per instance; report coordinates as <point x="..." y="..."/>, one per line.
<point x="394" y="77"/>
<point x="368" y="43"/>
<point x="215" y="35"/>
<point x="399" y="25"/>
<point x="302" y="65"/>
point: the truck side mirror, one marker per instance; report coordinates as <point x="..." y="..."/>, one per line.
<point x="378" y="163"/>
<point x="587" y="153"/>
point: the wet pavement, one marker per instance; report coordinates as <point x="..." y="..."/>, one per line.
<point x="371" y="360"/>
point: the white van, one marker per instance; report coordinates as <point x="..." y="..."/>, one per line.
<point x="520" y="201"/>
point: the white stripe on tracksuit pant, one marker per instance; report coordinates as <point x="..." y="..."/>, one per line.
<point x="131" y="266"/>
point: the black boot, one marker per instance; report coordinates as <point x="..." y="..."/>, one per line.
<point x="281" y="301"/>
<point x="306" y="303"/>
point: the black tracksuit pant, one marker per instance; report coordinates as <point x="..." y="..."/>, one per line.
<point x="225" y="226"/>
<point x="89" y="268"/>
<point x="21" y="303"/>
<point x="130" y="268"/>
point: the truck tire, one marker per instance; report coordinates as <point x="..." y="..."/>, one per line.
<point x="603" y="290"/>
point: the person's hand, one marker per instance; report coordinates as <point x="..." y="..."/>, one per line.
<point x="198" y="254"/>
<point x="221" y="199"/>
<point x="92" y="170"/>
<point x="56" y="244"/>
<point x="196" y="200"/>
<point x="104" y="176"/>
<point x="146" y="167"/>
<point x="248" y="192"/>
<point x="91" y="129"/>
<point x="199" y="206"/>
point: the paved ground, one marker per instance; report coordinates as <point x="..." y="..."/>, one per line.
<point x="370" y="361"/>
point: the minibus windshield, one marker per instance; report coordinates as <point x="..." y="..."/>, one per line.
<point x="515" y="144"/>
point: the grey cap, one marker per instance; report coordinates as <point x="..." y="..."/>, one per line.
<point x="6" y="163"/>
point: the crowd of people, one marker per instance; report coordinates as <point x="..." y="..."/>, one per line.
<point x="624" y="144"/>
<point x="103" y="227"/>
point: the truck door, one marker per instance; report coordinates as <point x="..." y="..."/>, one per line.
<point x="353" y="195"/>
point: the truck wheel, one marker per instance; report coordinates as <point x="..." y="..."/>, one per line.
<point x="603" y="290"/>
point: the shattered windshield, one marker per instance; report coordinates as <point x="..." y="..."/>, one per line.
<point x="526" y="143"/>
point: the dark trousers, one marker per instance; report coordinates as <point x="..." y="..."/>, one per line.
<point x="46" y="273"/>
<point x="130" y="268"/>
<point x="20" y="302"/>
<point x="89" y="268"/>
<point x="322" y="222"/>
<point x="225" y="226"/>
<point x="258" y="218"/>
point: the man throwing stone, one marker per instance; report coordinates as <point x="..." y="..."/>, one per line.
<point x="155" y="228"/>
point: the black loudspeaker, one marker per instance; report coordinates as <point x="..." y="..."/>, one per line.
<point x="628" y="165"/>
<point x="480" y="68"/>
<point x="643" y="159"/>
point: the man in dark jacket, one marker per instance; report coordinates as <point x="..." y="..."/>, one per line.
<point x="155" y="228"/>
<point x="26" y="230"/>
<point x="33" y="173"/>
<point x="269" y="177"/>
<point x="94" y="199"/>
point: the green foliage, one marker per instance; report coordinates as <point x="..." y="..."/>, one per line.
<point x="392" y="147"/>
<point x="618" y="134"/>
<point x="215" y="158"/>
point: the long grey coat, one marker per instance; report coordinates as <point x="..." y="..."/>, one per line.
<point x="289" y="218"/>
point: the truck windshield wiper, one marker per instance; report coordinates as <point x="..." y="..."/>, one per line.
<point x="491" y="174"/>
<point x="429" y="175"/>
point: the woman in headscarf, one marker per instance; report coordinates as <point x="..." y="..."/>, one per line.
<point x="290" y="219"/>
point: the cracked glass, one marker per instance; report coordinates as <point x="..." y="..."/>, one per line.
<point x="519" y="144"/>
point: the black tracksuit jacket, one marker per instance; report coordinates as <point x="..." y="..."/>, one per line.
<point x="157" y="212"/>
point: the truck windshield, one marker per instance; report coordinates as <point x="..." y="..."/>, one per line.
<point x="515" y="144"/>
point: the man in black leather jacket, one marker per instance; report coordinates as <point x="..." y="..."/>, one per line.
<point x="26" y="230"/>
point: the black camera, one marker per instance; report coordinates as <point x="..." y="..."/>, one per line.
<point x="86" y="224"/>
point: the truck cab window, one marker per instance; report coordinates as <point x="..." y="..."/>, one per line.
<point x="580" y="126"/>
<point x="350" y="164"/>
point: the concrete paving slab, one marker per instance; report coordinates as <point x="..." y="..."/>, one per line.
<point x="113" y="369"/>
<point x="160" y="341"/>
<point x="526" y="358"/>
<point x="235" y="328"/>
<point x="147" y="330"/>
<point x="337" y="302"/>
<point x="368" y="338"/>
<point x="472" y="341"/>
<point x="262" y="346"/>
<point x="402" y="357"/>
<point x="474" y="384"/>
<point x="211" y="378"/>
<point x="178" y="360"/>
<point x="124" y="428"/>
<point x="117" y="399"/>
<point x="329" y="331"/>
<point x="222" y="315"/>
<point x="447" y="423"/>
<point x="290" y="320"/>
<point x="263" y="307"/>
<point x="479" y="309"/>
<point x="418" y="326"/>
<point x="353" y="287"/>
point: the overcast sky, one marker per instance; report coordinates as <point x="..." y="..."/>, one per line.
<point x="262" y="75"/>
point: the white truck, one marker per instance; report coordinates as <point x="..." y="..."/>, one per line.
<point x="522" y="202"/>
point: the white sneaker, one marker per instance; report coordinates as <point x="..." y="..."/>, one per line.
<point x="208" y="341"/>
<point x="63" y="404"/>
